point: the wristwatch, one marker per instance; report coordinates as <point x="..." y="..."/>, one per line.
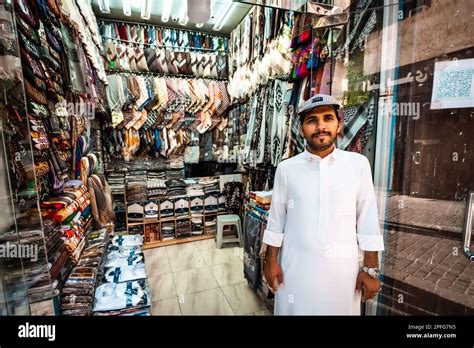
<point x="373" y="272"/>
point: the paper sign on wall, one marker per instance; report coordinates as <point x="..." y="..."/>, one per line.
<point x="453" y="84"/>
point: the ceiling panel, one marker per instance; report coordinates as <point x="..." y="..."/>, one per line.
<point x="178" y="6"/>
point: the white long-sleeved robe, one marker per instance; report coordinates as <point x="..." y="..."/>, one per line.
<point x="323" y="211"/>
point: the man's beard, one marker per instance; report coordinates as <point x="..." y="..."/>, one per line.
<point x="316" y="145"/>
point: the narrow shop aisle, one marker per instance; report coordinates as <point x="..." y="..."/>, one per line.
<point x="199" y="279"/>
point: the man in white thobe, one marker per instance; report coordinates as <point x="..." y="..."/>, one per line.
<point x="323" y="211"/>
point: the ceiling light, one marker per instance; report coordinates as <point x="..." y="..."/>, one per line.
<point x="127" y="7"/>
<point x="137" y="3"/>
<point x="167" y="5"/>
<point x="146" y="9"/>
<point x="199" y="25"/>
<point x="183" y="17"/>
<point x="104" y="6"/>
<point x="225" y="15"/>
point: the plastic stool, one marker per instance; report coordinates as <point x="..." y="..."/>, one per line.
<point x="228" y="220"/>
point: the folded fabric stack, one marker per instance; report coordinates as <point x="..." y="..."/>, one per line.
<point x="77" y="296"/>
<point x="210" y="185"/>
<point x="74" y="198"/>
<point x="194" y="188"/>
<point x="116" y="181"/>
<point x="136" y="191"/>
<point x="175" y="174"/>
<point x="167" y="230"/>
<point x="176" y="188"/>
<point x="211" y="225"/>
<point x="221" y="203"/>
<point x="125" y="290"/>
<point x="58" y="255"/>
<point x="183" y="229"/>
<point x="156" y="175"/>
<point x="156" y="188"/>
<point x="197" y="226"/>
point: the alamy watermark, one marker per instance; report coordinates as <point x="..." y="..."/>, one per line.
<point x="404" y="109"/>
<point x="15" y="250"/>
<point x="85" y="109"/>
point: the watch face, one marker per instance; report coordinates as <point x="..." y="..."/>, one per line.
<point x="374" y="272"/>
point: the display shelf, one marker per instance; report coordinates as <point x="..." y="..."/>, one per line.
<point x="194" y="238"/>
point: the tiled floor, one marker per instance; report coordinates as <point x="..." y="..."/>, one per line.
<point x="199" y="279"/>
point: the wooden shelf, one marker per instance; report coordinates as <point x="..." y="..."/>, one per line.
<point x="156" y="244"/>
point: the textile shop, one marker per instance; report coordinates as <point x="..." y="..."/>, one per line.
<point x="140" y="157"/>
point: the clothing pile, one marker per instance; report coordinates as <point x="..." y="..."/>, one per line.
<point x="156" y="188"/>
<point x="167" y="231"/>
<point x="77" y="296"/>
<point x="197" y="227"/>
<point x="137" y="190"/>
<point x="176" y="188"/>
<point x="210" y="225"/>
<point x="116" y="181"/>
<point x="194" y="188"/>
<point x="183" y="229"/>
<point x="125" y="290"/>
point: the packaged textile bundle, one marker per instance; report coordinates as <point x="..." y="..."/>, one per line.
<point x="127" y="241"/>
<point x="77" y="295"/>
<point x="197" y="206"/>
<point x="111" y="298"/>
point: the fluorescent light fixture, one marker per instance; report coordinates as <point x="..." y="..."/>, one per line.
<point x="104" y="6"/>
<point x="199" y="25"/>
<point x="127" y="7"/>
<point x="146" y="9"/>
<point x="167" y="6"/>
<point x="137" y="3"/>
<point x="225" y="15"/>
<point x="183" y="17"/>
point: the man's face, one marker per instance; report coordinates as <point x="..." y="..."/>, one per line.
<point x="320" y="128"/>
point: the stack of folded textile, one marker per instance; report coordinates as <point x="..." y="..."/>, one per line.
<point x="125" y="290"/>
<point x="116" y="182"/>
<point x="183" y="228"/>
<point x="210" y="185"/>
<point x="58" y="255"/>
<point x="175" y="174"/>
<point x="197" y="226"/>
<point x="156" y="188"/>
<point x="193" y="188"/>
<point x="211" y="225"/>
<point x="77" y="296"/>
<point x="73" y="211"/>
<point x="167" y="231"/>
<point x="176" y="188"/>
<point x="136" y="191"/>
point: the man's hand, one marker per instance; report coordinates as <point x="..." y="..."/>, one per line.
<point x="273" y="274"/>
<point x="370" y="285"/>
